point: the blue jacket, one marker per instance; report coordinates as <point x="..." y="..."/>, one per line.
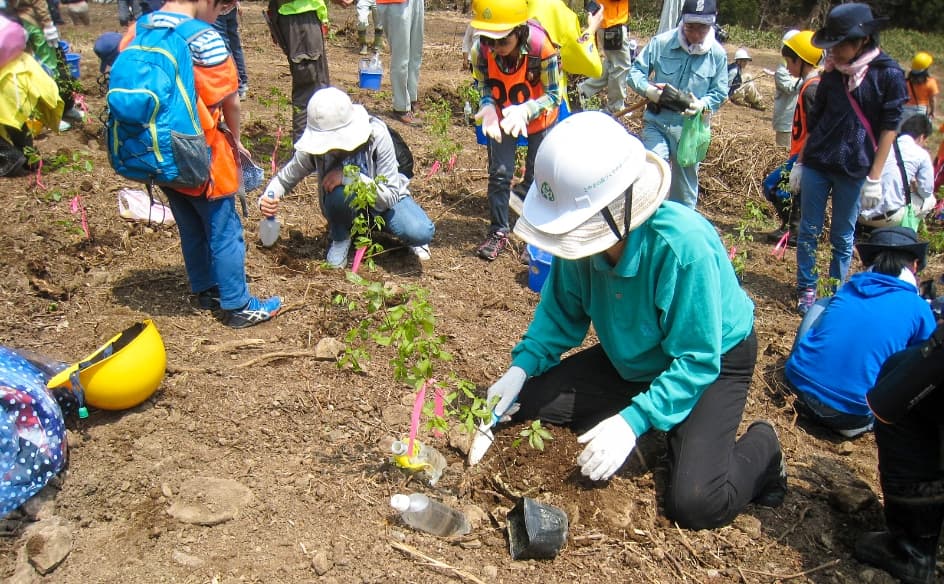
<point x="838" y="142"/>
<point x="871" y="317"/>
<point x="664" y="59"/>
<point x="664" y="314"/>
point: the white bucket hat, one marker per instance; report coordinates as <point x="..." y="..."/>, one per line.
<point x="586" y="164"/>
<point x="334" y="123"/>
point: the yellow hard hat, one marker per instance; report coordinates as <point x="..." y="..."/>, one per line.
<point x="498" y="15"/>
<point x="921" y="61"/>
<point x="123" y="372"/>
<point x="802" y="44"/>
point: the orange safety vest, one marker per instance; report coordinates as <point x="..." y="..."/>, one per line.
<point x="615" y="12"/>
<point x="800" y="131"/>
<point x="213" y="84"/>
<point x="523" y="83"/>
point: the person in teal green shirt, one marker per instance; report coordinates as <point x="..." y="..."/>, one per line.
<point x="676" y="346"/>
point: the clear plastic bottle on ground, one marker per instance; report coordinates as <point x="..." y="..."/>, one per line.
<point x="423" y="458"/>
<point x="429" y="515"/>
<point x="467" y="113"/>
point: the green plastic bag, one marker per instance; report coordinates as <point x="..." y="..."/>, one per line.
<point x="693" y="143"/>
<point x="910" y="219"/>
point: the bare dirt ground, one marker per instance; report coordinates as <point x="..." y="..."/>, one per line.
<point x="303" y="436"/>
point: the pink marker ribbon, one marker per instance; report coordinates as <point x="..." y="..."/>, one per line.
<point x="358" y="258"/>
<point x="781" y="246"/>
<point x="76" y="206"/>
<point x="275" y="150"/>
<point x="418" y="410"/>
<point x="433" y="169"/>
<point x="39" y="175"/>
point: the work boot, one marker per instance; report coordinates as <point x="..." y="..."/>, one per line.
<point x="378" y="40"/>
<point x="362" y="41"/>
<point x="907" y="549"/>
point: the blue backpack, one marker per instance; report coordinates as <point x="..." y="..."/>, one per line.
<point x="154" y="132"/>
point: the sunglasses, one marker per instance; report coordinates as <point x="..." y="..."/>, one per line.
<point x="490" y="42"/>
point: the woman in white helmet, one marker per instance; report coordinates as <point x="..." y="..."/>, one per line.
<point x="742" y="91"/>
<point x="676" y="345"/>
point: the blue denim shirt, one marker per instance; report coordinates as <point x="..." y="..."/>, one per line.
<point x="664" y="60"/>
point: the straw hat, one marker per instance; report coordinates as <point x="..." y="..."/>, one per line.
<point x="586" y="163"/>
<point x="334" y="123"/>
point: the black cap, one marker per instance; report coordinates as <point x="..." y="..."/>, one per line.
<point x="699" y="11"/>
<point x="898" y="238"/>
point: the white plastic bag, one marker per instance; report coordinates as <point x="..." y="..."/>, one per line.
<point x="135" y="205"/>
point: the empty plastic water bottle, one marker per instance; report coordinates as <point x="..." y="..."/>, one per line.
<point x="425" y="459"/>
<point x="467" y="112"/>
<point x="429" y="515"/>
<point x="269" y="228"/>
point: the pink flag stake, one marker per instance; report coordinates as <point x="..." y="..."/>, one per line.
<point x="275" y="150"/>
<point x="452" y="162"/>
<point x="781" y="247"/>
<point x="39" y="175"/>
<point x="438" y="406"/>
<point x="433" y="169"/>
<point x="358" y="257"/>
<point x="415" y="416"/>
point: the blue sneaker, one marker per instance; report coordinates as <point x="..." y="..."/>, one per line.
<point x="255" y="312"/>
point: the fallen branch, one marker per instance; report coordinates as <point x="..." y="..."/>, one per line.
<point x="411" y="551"/>
<point x="828" y="564"/>
<point x="274" y="356"/>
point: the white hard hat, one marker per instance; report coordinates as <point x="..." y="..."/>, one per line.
<point x="742" y="54"/>
<point x="587" y="163"/>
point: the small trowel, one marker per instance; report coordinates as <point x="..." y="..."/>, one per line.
<point x="484" y="437"/>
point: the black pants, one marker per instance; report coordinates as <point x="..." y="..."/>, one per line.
<point x="713" y="475"/>
<point x="911" y="450"/>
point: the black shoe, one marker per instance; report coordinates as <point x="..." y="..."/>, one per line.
<point x="910" y="561"/>
<point x="775" y="484"/>
<point x="209" y="299"/>
<point x="256" y="311"/>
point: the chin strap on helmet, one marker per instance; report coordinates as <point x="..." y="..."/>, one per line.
<point x="627" y="215"/>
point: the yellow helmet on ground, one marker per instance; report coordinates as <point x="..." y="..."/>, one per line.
<point x="801" y="42"/>
<point x="123" y="372"/>
<point x="921" y="61"/>
<point x="498" y="15"/>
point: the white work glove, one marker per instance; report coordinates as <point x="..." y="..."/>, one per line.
<point x="489" y="117"/>
<point x="610" y="442"/>
<point x="871" y="195"/>
<point x="507" y="389"/>
<point x="515" y="120"/>
<point x="653" y="93"/>
<point x="698" y="105"/>
<point x="796" y="176"/>
<point x="51" y="33"/>
<point x="272" y="194"/>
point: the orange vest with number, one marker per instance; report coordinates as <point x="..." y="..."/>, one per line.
<point x="524" y="82"/>
<point x="615" y="12"/>
<point x="800" y="131"/>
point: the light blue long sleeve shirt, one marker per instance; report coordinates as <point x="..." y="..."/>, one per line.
<point x="664" y="60"/>
<point x="664" y="314"/>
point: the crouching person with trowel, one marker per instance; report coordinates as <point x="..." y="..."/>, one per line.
<point x="676" y="345"/>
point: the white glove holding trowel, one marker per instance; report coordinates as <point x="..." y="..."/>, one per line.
<point x="506" y="389"/>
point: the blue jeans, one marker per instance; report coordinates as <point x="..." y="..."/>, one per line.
<point x="228" y="27"/>
<point x="817" y="186"/>
<point x="660" y="135"/>
<point x="211" y="239"/>
<point x="406" y="220"/>
<point x="501" y="169"/>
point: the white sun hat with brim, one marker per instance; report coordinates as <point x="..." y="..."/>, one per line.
<point x="588" y="163"/>
<point x="334" y="123"/>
